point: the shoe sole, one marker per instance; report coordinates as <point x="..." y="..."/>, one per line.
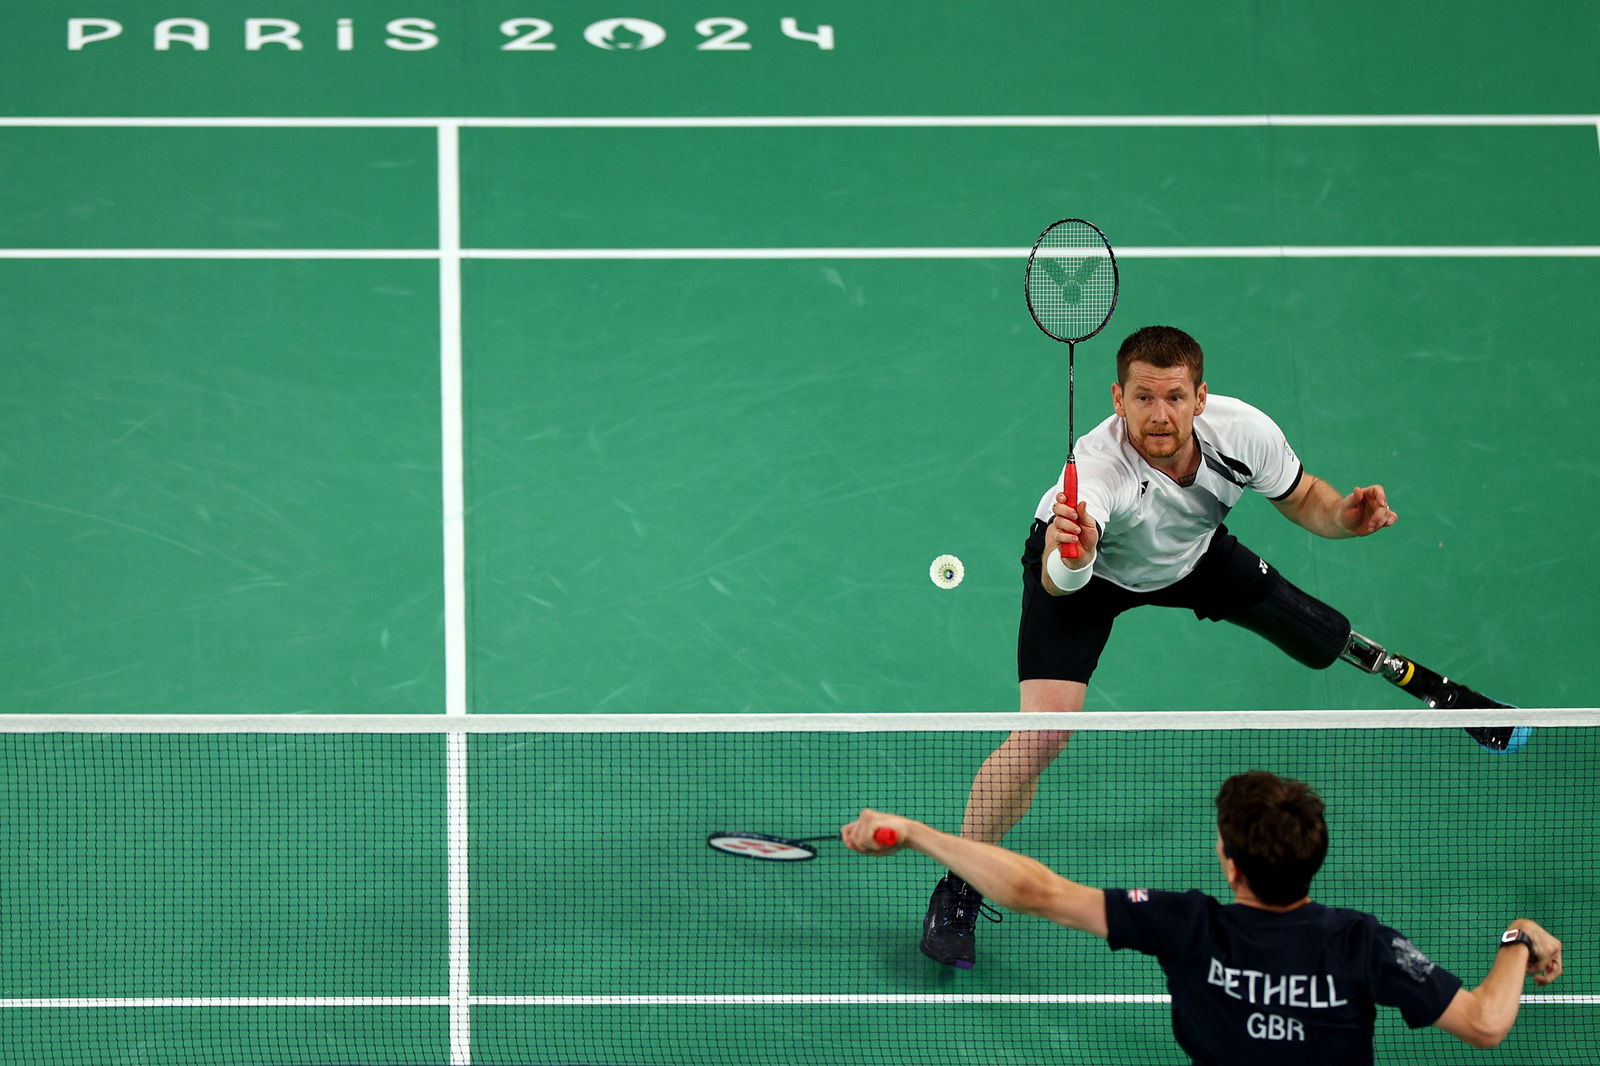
<point x="1519" y="737"/>
<point x="959" y="964"/>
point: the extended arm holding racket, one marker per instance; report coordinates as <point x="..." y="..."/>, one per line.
<point x="1004" y="877"/>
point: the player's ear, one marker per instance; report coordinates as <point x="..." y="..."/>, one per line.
<point x="1116" y="400"/>
<point x="1200" y="398"/>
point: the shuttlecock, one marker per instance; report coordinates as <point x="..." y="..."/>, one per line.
<point x="947" y="572"/>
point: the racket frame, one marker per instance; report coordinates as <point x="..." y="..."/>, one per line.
<point x="885" y="837"/>
<point x="1069" y="473"/>
<point x="795" y="843"/>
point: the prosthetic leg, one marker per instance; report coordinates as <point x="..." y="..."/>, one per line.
<point x="1317" y="635"/>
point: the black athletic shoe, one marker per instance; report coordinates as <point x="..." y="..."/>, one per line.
<point x="1500" y="739"/>
<point x="947" y="931"/>
<point x="1440" y="692"/>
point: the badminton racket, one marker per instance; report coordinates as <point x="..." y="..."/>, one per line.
<point x="783" y="849"/>
<point x="1071" y="289"/>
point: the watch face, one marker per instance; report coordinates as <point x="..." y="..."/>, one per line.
<point x="1510" y="936"/>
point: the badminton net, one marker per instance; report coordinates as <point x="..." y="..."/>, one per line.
<point x="425" y="891"/>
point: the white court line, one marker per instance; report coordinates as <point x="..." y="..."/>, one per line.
<point x="451" y="423"/>
<point x="821" y="999"/>
<point x="816" y="121"/>
<point x="452" y="464"/>
<point x="113" y="1002"/>
<point x="459" y="875"/>
<point x="915" y="998"/>
<point x="219" y="253"/>
<point x="1436" y="251"/>
<point x="679" y="1000"/>
<point x="1026" y="121"/>
<point x="767" y="722"/>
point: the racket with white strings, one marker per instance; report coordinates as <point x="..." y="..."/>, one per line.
<point x="1071" y="288"/>
<point x="783" y="849"/>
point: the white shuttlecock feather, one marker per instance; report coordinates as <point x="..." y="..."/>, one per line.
<point x="947" y="571"/>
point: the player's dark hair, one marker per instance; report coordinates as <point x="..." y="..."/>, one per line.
<point x="1273" y="829"/>
<point x="1161" y="347"/>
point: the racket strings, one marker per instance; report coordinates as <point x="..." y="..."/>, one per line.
<point x="1072" y="280"/>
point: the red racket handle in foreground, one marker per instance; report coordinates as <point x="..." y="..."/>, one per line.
<point x="886" y="837"/>
<point x="1069" y="486"/>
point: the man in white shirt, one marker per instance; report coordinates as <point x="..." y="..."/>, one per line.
<point x="1156" y="481"/>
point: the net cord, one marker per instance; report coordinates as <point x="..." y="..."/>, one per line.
<point x="1417" y="718"/>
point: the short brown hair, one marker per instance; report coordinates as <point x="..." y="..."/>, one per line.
<point x="1273" y="829"/>
<point x="1162" y="347"/>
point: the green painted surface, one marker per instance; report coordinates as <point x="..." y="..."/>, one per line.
<point x="997" y="188"/>
<point x="718" y="486"/>
<point x="220" y="487"/>
<point x="237" y="1036"/>
<point x="1026" y="58"/>
<point x="143" y="866"/>
<point x="218" y="188"/>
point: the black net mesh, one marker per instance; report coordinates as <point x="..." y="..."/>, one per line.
<point x="549" y="897"/>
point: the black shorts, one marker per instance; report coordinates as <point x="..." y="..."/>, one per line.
<point x="1061" y="637"/>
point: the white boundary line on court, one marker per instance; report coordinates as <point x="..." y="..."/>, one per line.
<point x="1110" y="721"/>
<point x="459" y="876"/>
<point x="677" y="1000"/>
<point x="1278" y="251"/>
<point x="458" y="873"/>
<point x="220" y="253"/>
<point x="455" y="256"/>
<point x="451" y="428"/>
<point x="917" y="998"/>
<point x="816" y="121"/>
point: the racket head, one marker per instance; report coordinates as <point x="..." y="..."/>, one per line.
<point x="1072" y="280"/>
<point x="762" y="846"/>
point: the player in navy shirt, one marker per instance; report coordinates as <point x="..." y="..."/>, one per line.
<point x="1271" y="977"/>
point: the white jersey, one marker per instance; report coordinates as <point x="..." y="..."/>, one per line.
<point x="1152" y="530"/>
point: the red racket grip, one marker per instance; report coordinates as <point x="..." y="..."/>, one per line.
<point x="886" y="837"/>
<point x="1069" y="486"/>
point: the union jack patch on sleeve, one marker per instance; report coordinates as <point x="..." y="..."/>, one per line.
<point x="1138" y="895"/>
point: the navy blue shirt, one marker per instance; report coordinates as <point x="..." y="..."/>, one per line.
<point x="1251" y="986"/>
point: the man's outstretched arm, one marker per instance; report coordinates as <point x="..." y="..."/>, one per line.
<point x="1004" y="877"/>
<point x="1484" y="1015"/>
<point x="1317" y="506"/>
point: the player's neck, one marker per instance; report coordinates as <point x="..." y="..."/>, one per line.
<point x="1246" y="898"/>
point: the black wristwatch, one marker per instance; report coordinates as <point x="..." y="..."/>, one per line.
<point x="1517" y="936"/>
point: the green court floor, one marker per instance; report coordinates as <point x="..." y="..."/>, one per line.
<point x="407" y="369"/>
